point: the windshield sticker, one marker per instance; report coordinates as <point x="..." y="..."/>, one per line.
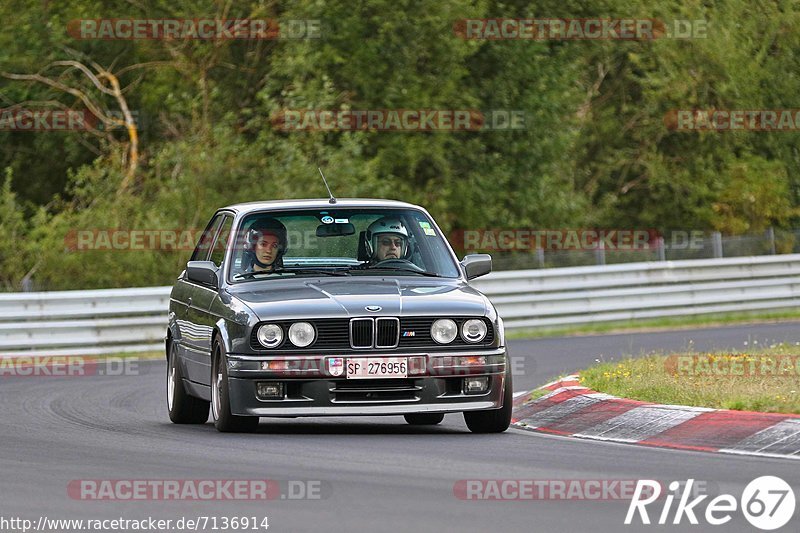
<point x="341" y="221"/>
<point x="426" y="227"/>
<point x="327" y="219"/>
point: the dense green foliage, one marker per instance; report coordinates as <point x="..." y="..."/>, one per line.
<point x="595" y="151"/>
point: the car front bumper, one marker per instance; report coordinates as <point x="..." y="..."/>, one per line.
<point x="310" y="390"/>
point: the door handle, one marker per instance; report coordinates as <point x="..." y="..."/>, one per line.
<point x="189" y="302"/>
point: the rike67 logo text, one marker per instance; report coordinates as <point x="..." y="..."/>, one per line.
<point x="767" y="502"/>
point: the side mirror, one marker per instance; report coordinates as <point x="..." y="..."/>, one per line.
<point x="476" y="265"/>
<point x="204" y="272"/>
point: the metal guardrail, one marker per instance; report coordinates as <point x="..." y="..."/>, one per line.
<point x="83" y="322"/>
<point x="631" y="291"/>
<point x="122" y="320"/>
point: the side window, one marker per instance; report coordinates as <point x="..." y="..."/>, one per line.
<point x="206" y="239"/>
<point x="221" y="244"/>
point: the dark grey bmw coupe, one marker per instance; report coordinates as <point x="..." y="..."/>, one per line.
<point x="333" y="307"/>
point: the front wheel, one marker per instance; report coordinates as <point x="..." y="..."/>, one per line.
<point x="183" y="408"/>
<point x="224" y="421"/>
<point x="494" y="420"/>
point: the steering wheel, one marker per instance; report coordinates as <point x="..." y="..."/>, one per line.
<point x="402" y="264"/>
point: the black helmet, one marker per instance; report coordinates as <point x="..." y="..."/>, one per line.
<point x="264" y="226"/>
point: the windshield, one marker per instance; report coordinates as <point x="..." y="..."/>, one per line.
<point x="339" y="242"/>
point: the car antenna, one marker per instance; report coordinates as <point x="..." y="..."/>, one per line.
<point x="332" y="200"/>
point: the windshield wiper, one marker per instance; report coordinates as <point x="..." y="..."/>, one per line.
<point x="322" y="271"/>
<point x="251" y="275"/>
<point x="313" y="271"/>
<point x="412" y="270"/>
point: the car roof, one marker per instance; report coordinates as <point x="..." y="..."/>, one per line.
<point x="318" y="203"/>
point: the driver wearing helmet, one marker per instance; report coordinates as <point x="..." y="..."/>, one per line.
<point x="265" y="245"/>
<point x="387" y="238"/>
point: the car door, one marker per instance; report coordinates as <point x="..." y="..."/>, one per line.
<point x="201" y="314"/>
<point x="189" y="296"/>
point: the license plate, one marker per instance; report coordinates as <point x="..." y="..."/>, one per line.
<point x="377" y="367"/>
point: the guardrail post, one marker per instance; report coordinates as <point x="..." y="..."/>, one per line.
<point x="716" y="243"/>
<point x="771" y="237"/>
<point x="600" y="254"/>
<point x="662" y="253"/>
<point x="540" y="257"/>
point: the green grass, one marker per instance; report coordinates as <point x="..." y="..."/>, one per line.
<point x="710" y="320"/>
<point x="536" y="394"/>
<point x="731" y="380"/>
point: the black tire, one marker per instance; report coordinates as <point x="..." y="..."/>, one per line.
<point x="224" y="421"/>
<point x="493" y="420"/>
<point x="183" y="408"/>
<point x="424" y="419"/>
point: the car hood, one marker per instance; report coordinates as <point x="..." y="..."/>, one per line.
<point x="344" y="298"/>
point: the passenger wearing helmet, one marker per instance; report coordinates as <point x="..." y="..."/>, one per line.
<point x="387" y="238"/>
<point x="264" y="246"/>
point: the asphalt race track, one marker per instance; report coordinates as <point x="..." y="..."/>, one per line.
<point x="374" y="474"/>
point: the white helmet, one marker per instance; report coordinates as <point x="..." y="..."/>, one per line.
<point x="382" y="226"/>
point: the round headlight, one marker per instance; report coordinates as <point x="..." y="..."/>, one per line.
<point x="473" y="330"/>
<point x="270" y="335"/>
<point x="444" y="331"/>
<point x="301" y="334"/>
